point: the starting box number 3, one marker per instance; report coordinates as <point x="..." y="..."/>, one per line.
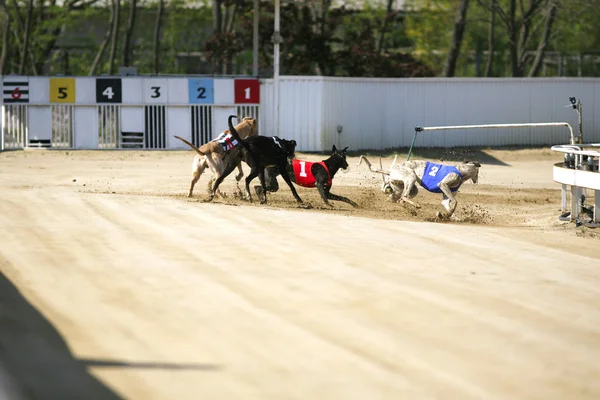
<point x="109" y="91"/>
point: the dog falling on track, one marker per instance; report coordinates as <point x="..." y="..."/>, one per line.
<point x="436" y="178"/>
<point x="258" y="152"/>
<point x="311" y="174"/>
<point x="211" y="154"/>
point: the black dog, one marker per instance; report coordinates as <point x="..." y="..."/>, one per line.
<point x="309" y="174"/>
<point x="258" y="152"/>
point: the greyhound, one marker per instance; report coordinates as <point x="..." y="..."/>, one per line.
<point x="258" y="152"/>
<point x="211" y="154"/>
<point x="435" y="178"/>
<point x="311" y="174"/>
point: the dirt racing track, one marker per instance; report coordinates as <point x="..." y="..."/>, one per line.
<point x="113" y="284"/>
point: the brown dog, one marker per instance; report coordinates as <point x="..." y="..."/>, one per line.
<point x="211" y="154"/>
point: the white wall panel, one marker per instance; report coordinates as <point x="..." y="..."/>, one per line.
<point x="39" y="90"/>
<point x="133" y="92"/>
<point x="132" y="119"/>
<point x="85" y="126"/>
<point x="85" y="87"/>
<point x="179" y="122"/>
<point x="40" y="122"/>
<point x="382" y="113"/>
<point x="224" y="91"/>
<point x="178" y="91"/>
<point x="220" y="116"/>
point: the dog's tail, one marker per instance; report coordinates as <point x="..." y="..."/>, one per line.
<point x="191" y="145"/>
<point x="236" y="135"/>
<point x="233" y="132"/>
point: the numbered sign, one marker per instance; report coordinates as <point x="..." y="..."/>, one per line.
<point x="155" y="91"/>
<point x="247" y="91"/>
<point x="201" y="91"/>
<point x="62" y="90"/>
<point x="15" y="91"/>
<point x="109" y="90"/>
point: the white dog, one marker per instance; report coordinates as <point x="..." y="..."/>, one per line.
<point x="436" y="178"/>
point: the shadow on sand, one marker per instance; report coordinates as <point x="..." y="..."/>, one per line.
<point x="36" y="363"/>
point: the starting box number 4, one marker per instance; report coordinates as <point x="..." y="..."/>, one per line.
<point x="109" y="91"/>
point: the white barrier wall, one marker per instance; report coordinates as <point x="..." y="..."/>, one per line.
<point x="119" y="112"/>
<point x="317" y="112"/>
<point x="378" y="113"/>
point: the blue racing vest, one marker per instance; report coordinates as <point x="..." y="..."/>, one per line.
<point x="434" y="173"/>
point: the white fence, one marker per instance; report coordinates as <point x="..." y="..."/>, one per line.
<point x="382" y="113"/>
<point x="315" y="111"/>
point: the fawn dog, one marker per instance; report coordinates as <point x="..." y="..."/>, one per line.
<point x="211" y="154"/>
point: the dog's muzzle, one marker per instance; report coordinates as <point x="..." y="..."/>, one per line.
<point x="345" y="170"/>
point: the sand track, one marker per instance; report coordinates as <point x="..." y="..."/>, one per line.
<point x="113" y="284"/>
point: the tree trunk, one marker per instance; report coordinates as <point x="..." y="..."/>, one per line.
<point x="26" y="34"/>
<point x="457" y="36"/>
<point x="115" y="34"/>
<point x="22" y="31"/>
<point x="103" y="44"/>
<point x="5" y="28"/>
<point x="230" y="13"/>
<point x="217" y="30"/>
<point x="156" y="52"/>
<point x="489" y="66"/>
<point x="384" y="27"/>
<point x="512" y="39"/>
<point x="126" y="56"/>
<point x="539" y="55"/>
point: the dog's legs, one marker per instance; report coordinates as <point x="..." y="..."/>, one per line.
<point x="254" y="172"/>
<point x="198" y="167"/>
<point x="332" y="196"/>
<point x="228" y="169"/>
<point x="449" y="202"/>
<point x="408" y="185"/>
<point x="286" y="178"/>
<point x="240" y="174"/>
<point x="323" y="193"/>
<point x="261" y="178"/>
<point x="270" y="182"/>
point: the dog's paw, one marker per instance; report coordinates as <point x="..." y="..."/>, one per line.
<point x="306" y="206"/>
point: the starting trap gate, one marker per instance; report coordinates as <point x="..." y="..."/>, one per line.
<point x="120" y="112"/>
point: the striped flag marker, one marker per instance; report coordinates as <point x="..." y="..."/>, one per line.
<point x="15" y="91"/>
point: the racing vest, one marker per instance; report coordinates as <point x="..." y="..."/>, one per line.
<point x="433" y="175"/>
<point x="304" y="175"/>
<point x="226" y="140"/>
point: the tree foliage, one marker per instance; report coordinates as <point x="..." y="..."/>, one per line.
<point x="428" y="38"/>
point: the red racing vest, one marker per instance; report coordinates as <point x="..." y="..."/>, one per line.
<point x="304" y="175"/>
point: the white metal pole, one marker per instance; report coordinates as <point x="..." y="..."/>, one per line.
<point x="523" y="125"/>
<point x="255" y="39"/>
<point x="276" y="40"/>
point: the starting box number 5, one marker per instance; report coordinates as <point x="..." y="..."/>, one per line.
<point x="109" y="90"/>
<point x="62" y="90"/>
